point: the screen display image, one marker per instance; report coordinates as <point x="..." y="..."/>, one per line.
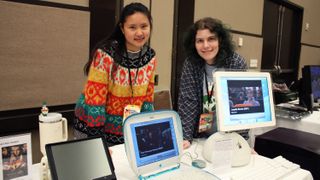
<point x="315" y="82"/>
<point x="245" y="96"/>
<point x="154" y="141"/>
<point x="246" y="100"/>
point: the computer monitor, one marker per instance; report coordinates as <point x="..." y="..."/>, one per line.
<point x="80" y="159"/>
<point x="153" y="141"/>
<point x="311" y="82"/>
<point x="244" y="100"/>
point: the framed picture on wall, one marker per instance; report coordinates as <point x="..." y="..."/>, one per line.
<point x="16" y="157"/>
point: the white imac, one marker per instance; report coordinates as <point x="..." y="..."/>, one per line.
<point x="244" y="100"/>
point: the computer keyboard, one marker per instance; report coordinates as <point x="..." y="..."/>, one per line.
<point x="290" y="114"/>
<point x="276" y="168"/>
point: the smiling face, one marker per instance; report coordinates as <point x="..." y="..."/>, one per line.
<point x="136" y="30"/>
<point x="207" y="45"/>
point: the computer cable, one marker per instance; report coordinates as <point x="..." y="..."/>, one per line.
<point x="198" y="163"/>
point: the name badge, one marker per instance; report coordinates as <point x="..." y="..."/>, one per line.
<point x="129" y="110"/>
<point x="205" y="122"/>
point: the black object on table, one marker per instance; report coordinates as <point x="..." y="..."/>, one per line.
<point x="299" y="147"/>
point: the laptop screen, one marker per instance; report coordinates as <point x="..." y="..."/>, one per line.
<point x="154" y="140"/>
<point x="80" y="159"/>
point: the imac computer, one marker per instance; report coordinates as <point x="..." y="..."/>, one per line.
<point x="244" y="100"/>
<point x="309" y="93"/>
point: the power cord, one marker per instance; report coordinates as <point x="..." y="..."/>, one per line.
<point x="198" y="163"/>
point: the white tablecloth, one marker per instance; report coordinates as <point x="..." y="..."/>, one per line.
<point x="124" y="172"/>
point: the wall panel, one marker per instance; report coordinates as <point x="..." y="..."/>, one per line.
<point x="311" y="13"/>
<point x="251" y="48"/>
<point x="309" y="56"/>
<point x="42" y="53"/>
<point x="244" y="15"/>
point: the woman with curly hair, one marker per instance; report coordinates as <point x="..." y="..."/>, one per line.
<point x="209" y="47"/>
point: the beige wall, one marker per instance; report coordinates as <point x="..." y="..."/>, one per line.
<point x="244" y="15"/>
<point x="311" y="16"/>
<point x="52" y="47"/>
<point x="161" y="38"/>
<point x="310" y="35"/>
<point x="251" y="49"/>
<point x="42" y="53"/>
<point x="309" y="56"/>
<point x="247" y="16"/>
<point x="145" y="2"/>
<point x="84" y="3"/>
<point x="235" y="15"/>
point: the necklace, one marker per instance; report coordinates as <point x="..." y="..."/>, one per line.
<point x="137" y="71"/>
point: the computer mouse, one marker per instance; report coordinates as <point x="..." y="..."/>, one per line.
<point x="199" y="163"/>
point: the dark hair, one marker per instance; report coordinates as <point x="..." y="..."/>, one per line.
<point x="117" y="37"/>
<point x="226" y="46"/>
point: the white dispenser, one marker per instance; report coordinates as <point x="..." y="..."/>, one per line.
<point x="52" y="128"/>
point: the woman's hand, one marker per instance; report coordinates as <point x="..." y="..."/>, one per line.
<point x="186" y="144"/>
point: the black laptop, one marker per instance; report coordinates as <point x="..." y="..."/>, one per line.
<point x="82" y="159"/>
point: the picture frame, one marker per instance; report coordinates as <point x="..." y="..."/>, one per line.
<point x="16" y="157"/>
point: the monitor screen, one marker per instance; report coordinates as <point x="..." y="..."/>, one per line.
<point x="154" y="141"/>
<point x="244" y="100"/>
<point x="311" y="78"/>
<point x="80" y="159"/>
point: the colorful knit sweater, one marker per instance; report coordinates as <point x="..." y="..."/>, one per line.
<point x="108" y="90"/>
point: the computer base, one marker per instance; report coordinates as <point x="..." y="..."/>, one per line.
<point x="241" y="151"/>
